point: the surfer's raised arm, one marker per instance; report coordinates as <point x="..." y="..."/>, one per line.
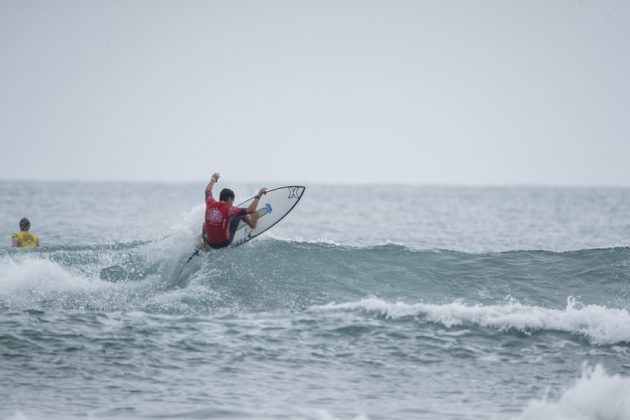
<point x="213" y="180"/>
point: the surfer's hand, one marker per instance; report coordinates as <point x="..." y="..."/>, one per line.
<point x="262" y="191"/>
<point x="215" y="176"/>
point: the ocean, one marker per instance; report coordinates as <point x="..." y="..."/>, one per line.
<point x="365" y="302"/>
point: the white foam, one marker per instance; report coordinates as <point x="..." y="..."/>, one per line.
<point x="601" y="325"/>
<point x="595" y="396"/>
<point x="29" y="273"/>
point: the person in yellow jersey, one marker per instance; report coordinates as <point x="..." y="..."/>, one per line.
<point x="24" y="238"/>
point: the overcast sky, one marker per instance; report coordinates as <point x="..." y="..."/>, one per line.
<point x="416" y="92"/>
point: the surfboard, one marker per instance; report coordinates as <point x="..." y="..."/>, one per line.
<point x="272" y="208"/>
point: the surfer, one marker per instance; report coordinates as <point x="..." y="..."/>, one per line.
<point x="24" y="238"/>
<point x="222" y="217"/>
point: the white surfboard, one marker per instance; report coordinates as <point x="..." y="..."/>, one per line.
<point x="273" y="207"/>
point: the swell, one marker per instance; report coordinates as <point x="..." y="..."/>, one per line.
<point x="273" y="274"/>
<point x="341" y="273"/>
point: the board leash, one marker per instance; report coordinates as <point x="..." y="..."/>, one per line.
<point x="191" y="257"/>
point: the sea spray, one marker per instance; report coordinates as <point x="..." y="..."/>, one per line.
<point x="596" y="395"/>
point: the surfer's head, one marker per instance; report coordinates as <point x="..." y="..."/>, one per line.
<point x="226" y="194"/>
<point x="25" y="224"/>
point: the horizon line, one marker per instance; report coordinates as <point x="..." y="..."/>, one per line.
<point x="325" y="184"/>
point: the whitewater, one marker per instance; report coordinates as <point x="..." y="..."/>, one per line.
<point x="365" y="302"/>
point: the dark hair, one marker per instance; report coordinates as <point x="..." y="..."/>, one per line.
<point x="25" y="224"/>
<point x="225" y="194"/>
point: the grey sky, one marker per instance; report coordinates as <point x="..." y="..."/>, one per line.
<point x="420" y="92"/>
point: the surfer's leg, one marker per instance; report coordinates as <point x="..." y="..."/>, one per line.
<point x="253" y="218"/>
<point x="233" y="227"/>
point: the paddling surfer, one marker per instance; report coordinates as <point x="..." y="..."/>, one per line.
<point x="24" y="238"/>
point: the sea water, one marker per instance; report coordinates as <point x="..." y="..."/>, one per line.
<point x="365" y="302"/>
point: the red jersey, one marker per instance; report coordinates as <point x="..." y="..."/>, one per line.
<point x="218" y="218"/>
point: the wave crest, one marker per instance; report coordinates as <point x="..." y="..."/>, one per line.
<point x="599" y="324"/>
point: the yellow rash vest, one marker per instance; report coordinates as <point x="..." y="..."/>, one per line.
<point x="25" y="239"/>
